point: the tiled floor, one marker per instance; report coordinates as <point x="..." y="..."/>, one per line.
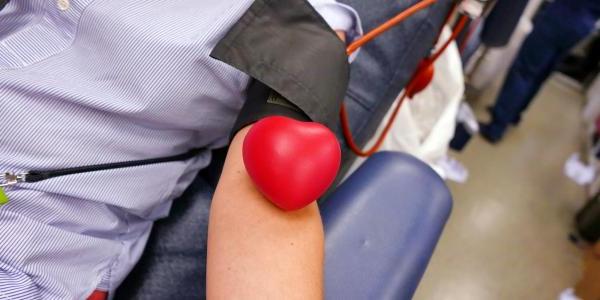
<point x="507" y="235"/>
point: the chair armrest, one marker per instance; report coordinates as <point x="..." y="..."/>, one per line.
<point x="381" y="227"/>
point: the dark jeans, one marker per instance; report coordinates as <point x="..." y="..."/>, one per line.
<point x="557" y="28"/>
<point x="174" y="263"/>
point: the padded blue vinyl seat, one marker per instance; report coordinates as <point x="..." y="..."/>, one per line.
<point x="381" y="226"/>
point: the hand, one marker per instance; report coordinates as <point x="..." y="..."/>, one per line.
<point x="341" y="35"/>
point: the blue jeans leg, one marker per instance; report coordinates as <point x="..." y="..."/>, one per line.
<point x="556" y="30"/>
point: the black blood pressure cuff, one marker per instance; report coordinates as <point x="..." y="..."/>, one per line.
<point x="261" y="102"/>
<point x="288" y="47"/>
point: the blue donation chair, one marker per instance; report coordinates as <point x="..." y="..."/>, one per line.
<point x="381" y="227"/>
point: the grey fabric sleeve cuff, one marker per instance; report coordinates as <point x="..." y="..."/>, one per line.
<point x="289" y="47"/>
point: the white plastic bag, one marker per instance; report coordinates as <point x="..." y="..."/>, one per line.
<point x="578" y="171"/>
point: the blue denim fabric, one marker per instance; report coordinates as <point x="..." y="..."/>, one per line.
<point x="557" y="29"/>
<point x="385" y="65"/>
<point x="173" y="266"/>
<point x="174" y="263"/>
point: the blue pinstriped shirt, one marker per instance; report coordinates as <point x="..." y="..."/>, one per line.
<point x="95" y="81"/>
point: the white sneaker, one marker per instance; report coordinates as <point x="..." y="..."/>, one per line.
<point x="452" y="169"/>
<point x="568" y="294"/>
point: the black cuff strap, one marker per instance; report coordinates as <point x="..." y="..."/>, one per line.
<point x="262" y="102"/>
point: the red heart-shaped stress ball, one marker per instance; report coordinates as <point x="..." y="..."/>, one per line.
<point x="292" y="163"/>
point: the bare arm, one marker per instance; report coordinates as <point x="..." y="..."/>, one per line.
<point x="256" y="250"/>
